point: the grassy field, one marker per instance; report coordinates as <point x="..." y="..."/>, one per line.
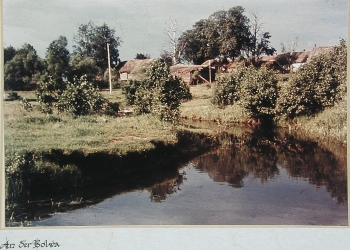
<point x="34" y="131"/>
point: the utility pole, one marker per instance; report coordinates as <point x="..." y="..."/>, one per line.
<point x="109" y="71"/>
<point x="210" y="71"/>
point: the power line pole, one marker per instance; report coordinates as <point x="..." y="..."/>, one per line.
<point x="109" y="71"/>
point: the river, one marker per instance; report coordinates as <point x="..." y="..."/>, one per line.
<point x="270" y="180"/>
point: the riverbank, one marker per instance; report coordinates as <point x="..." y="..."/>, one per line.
<point x="329" y="125"/>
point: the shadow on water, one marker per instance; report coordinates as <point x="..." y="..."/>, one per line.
<point x="34" y="195"/>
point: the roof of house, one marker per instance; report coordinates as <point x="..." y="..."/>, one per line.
<point x="128" y="66"/>
<point x="297" y="57"/>
<point x="183" y="68"/>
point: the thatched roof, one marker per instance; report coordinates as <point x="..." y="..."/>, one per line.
<point x="297" y="57"/>
<point x="183" y="68"/>
<point x="319" y="50"/>
<point x="128" y="66"/>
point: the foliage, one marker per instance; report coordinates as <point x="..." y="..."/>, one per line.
<point x="92" y="42"/>
<point x="57" y="60"/>
<point x="83" y="66"/>
<point x="258" y="92"/>
<point x="224" y="34"/>
<point x="13" y="96"/>
<point x="20" y="72"/>
<point x="9" y="53"/>
<point x="159" y="93"/>
<point x="129" y="89"/>
<point x="253" y="89"/>
<point x="142" y="56"/>
<point x="47" y="94"/>
<point x="80" y="98"/>
<point x="316" y="85"/>
<point x="25" y="104"/>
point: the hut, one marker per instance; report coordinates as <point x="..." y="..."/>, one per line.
<point x="192" y="74"/>
<point x="133" y="69"/>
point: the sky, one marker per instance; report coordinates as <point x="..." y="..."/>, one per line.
<point x="141" y="24"/>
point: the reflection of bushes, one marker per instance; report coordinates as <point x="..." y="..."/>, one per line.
<point x="259" y="157"/>
<point x="234" y="165"/>
<point x="160" y="192"/>
<point x="304" y="159"/>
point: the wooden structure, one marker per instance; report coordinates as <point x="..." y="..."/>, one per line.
<point x="132" y="69"/>
<point x="193" y="74"/>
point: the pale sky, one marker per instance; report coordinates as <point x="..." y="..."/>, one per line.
<point x="141" y="23"/>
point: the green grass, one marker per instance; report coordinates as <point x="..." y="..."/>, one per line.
<point x="35" y="131"/>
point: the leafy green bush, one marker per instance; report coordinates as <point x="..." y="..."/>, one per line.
<point x="258" y="92"/>
<point x="80" y="98"/>
<point x="254" y="89"/>
<point x="129" y="89"/>
<point x="47" y="95"/>
<point x="159" y="93"/>
<point x="315" y="86"/>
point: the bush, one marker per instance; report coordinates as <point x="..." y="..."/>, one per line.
<point x="81" y="98"/>
<point x="129" y="90"/>
<point x="47" y="95"/>
<point x="254" y="89"/>
<point x="159" y="93"/>
<point x="315" y="86"/>
<point x="258" y="92"/>
<point x="13" y="96"/>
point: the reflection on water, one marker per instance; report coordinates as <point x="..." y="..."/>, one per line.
<point x="260" y="178"/>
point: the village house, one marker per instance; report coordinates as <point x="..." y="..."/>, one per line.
<point x="193" y="74"/>
<point x="293" y="61"/>
<point x="133" y="69"/>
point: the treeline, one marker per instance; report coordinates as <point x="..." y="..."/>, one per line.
<point x="24" y="69"/>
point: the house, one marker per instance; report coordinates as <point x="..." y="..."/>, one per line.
<point x="193" y="74"/>
<point x="133" y="69"/>
<point x="291" y="61"/>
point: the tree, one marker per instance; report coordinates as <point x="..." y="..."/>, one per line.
<point x="22" y="70"/>
<point x="175" y="45"/>
<point x="9" y="53"/>
<point x="81" y="65"/>
<point x="92" y="42"/>
<point x="259" y="40"/>
<point x="224" y="35"/>
<point x="142" y="56"/>
<point x="57" y="60"/>
<point x="288" y="50"/>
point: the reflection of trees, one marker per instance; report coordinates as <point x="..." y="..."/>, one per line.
<point x="159" y="192"/>
<point x="259" y="153"/>
<point x="231" y="166"/>
<point x="305" y="159"/>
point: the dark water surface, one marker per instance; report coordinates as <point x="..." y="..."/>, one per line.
<point x="274" y="180"/>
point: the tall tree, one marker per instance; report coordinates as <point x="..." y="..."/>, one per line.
<point x="92" y="42"/>
<point x="23" y="68"/>
<point x="259" y="43"/>
<point x="224" y="34"/>
<point x="9" y="53"/>
<point x="57" y="60"/>
<point x="175" y="46"/>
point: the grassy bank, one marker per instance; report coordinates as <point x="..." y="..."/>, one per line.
<point x="330" y="124"/>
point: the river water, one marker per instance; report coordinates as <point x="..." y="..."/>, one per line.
<point x="276" y="181"/>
